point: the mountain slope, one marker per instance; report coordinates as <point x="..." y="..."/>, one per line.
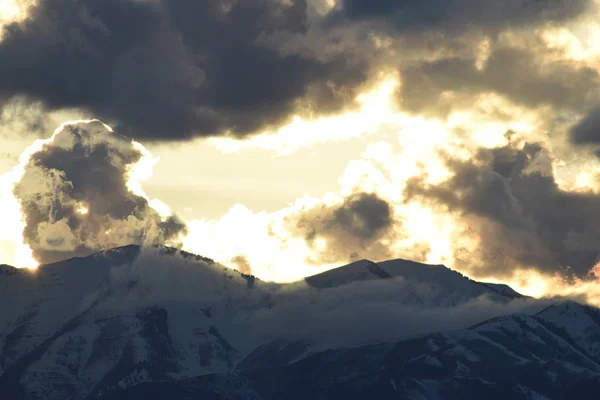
<point x="68" y="327"/>
<point x="514" y="357"/>
<point x="128" y="321"/>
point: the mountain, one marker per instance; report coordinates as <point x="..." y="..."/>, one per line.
<point x="154" y="323"/>
<point x="453" y="287"/>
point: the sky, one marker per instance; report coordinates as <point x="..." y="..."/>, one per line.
<point x="288" y="137"/>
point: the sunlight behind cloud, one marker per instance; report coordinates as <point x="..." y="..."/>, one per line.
<point x="272" y="253"/>
<point x="13" y="11"/>
<point x="376" y="108"/>
<point x="579" y="42"/>
<point x="535" y="284"/>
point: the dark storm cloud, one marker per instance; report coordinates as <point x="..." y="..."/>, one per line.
<point x="171" y="69"/>
<point x="461" y="15"/>
<point x="521" y="75"/>
<point x="351" y="230"/>
<point x="587" y="131"/>
<point x="513" y="206"/>
<point x="75" y="199"/>
<point x="439" y="39"/>
<point x="175" y="69"/>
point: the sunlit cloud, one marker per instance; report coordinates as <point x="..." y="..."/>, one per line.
<point x="13" y="216"/>
<point x="13" y="222"/>
<point x="578" y="41"/>
<point x="535" y="284"/>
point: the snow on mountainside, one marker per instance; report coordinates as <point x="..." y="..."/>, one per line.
<point x="452" y="287"/>
<point x="519" y="357"/>
<point x="113" y="323"/>
<point x="68" y="326"/>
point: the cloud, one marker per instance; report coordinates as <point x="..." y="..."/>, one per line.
<point x="22" y="119"/>
<point x="356" y="228"/>
<point x="173" y="70"/>
<point x="308" y="237"/>
<point x="170" y="70"/>
<point x="522" y="75"/>
<point x="587" y="130"/>
<point x="510" y="203"/>
<point x="76" y="199"/>
<point x="458" y="16"/>
<point x="451" y="53"/>
<point x="154" y="69"/>
<point x="355" y="314"/>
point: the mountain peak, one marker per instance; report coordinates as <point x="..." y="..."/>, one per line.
<point x="362" y="270"/>
<point x="120" y="255"/>
<point x="414" y="273"/>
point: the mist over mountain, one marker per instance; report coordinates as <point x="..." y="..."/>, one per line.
<point x="155" y="322"/>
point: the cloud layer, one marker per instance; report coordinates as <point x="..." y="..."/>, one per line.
<point x="170" y="70"/>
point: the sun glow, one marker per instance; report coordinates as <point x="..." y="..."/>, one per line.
<point x="83" y="210"/>
<point x="13" y="11"/>
<point x="10" y="10"/>
<point x="532" y="283"/>
<point x="272" y="252"/>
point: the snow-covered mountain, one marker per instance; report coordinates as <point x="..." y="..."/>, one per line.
<point x="155" y="323"/>
<point x="451" y="287"/>
<point x="513" y="357"/>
